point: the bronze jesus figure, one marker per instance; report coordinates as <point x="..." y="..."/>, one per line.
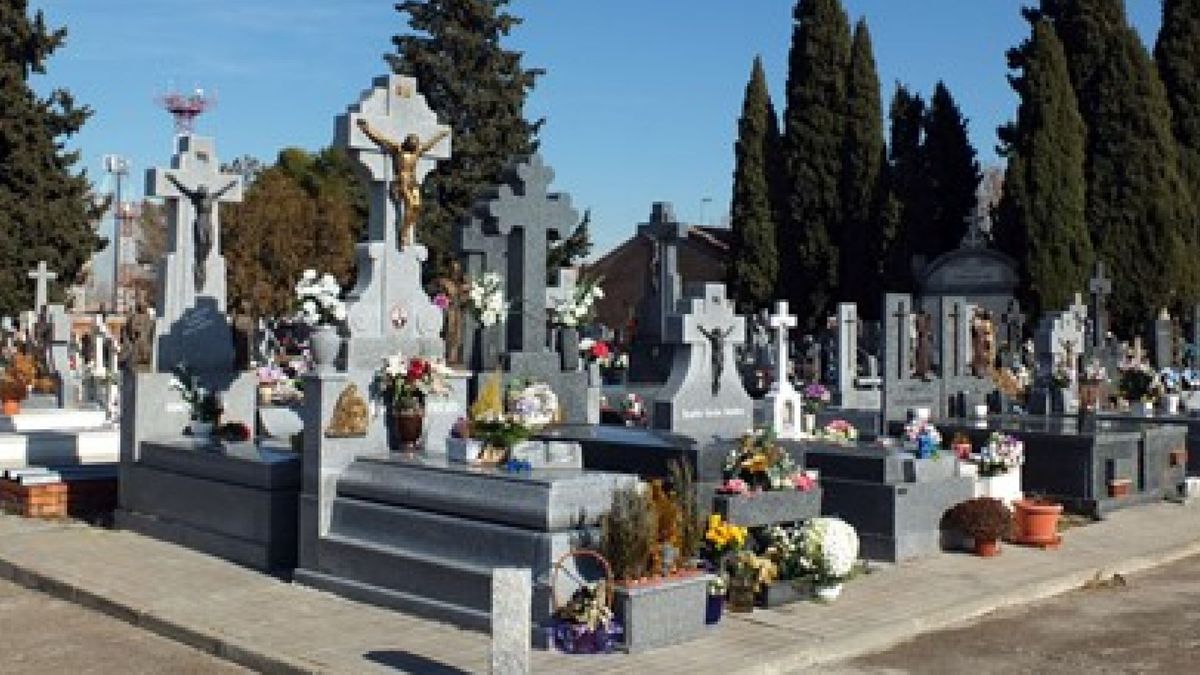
<point x="405" y="189"/>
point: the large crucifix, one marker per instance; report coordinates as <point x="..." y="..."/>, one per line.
<point x="194" y="187"/>
<point x="665" y="234"/>
<point x="781" y="322"/>
<point x="396" y="140"/>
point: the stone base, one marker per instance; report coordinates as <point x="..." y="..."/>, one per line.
<point x="662" y="613"/>
<point x="237" y="502"/>
<point x="778" y="593"/>
<point x="54" y="419"/>
<point x="768" y="508"/>
<point x="424" y="534"/>
<point x="60" y="448"/>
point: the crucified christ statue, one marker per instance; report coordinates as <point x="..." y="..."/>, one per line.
<point x="406" y="189"/>
<point x="716" y="342"/>
<point x="202" y="202"/>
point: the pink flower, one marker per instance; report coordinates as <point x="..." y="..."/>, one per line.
<point x="803" y="483"/>
<point x="442" y="301"/>
<point x="734" y="486"/>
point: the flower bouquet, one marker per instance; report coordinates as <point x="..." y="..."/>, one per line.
<point x="828" y="551"/>
<point x="722" y="538"/>
<point x="576" y="309"/>
<point x="1001" y="454"/>
<point x="485" y="298"/>
<point x="205" y="406"/>
<point x="318" y="299"/>
<point x="633" y="410"/>
<point x="816" y="396"/>
<point x="595" y="351"/>
<point x="924" y="436"/>
<point x="585" y="624"/>
<point x="408" y="382"/>
<point x="757" y="463"/>
<point x="839" y="431"/>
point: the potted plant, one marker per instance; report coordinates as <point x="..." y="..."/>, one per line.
<point x="646" y="600"/>
<point x="204" y="406"/>
<point x="1139" y="387"/>
<point x="408" y="383"/>
<point x="322" y="309"/>
<point x="828" y="551"/>
<point x="1035" y="522"/>
<point x="984" y="519"/>
<point x="816" y="396"/>
<point x="584" y="624"/>
<point x="998" y="464"/>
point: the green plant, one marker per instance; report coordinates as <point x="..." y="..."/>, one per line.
<point x="691" y="520"/>
<point x="982" y="518"/>
<point x="628" y="534"/>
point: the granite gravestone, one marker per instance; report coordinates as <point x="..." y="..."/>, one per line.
<point x="650" y="353"/>
<point x="388" y="310"/>
<point x="58" y="346"/>
<point x="855" y="391"/>
<point x="784" y="404"/>
<point x="192" y="326"/>
<point x="1058" y="344"/>
<point x="904" y="389"/>
<point x="526" y="216"/>
<point x="704" y="395"/>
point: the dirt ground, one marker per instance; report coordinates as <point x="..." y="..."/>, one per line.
<point x="41" y="634"/>
<point x="1148" y="624"/>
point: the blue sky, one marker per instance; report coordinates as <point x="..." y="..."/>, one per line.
<point x="641" y="96"/>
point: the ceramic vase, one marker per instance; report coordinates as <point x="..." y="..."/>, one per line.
<point x="326" y="343"/>
<point x="408" y="427"/>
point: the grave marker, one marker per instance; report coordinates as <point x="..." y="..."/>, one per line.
<point x="41" y="277"/>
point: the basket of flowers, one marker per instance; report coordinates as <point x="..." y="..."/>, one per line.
<point x="584" y="622"/>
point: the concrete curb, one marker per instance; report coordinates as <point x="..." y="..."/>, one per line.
<point x="879" y="639"/>
<point x="200" y="639"/>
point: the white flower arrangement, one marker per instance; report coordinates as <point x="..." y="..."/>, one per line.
<point x="829" y="548"/>
<point x="318" y="299"/>
<point x="486" y="299"/>
<point x="535" y="405"/>
<point x="576" y="310"/>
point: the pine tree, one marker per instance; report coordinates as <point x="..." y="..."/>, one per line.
<point x="814" y="138"/>
<point x="572" y="249"/>
<point x="478" y="88"/>
<point x="1178" y="57"/>
<point x="1040" y="219"/>
<point x="950" y="175"/>
<point x="861" y="267"/>
<point x="904" y="209"/>
<point x="1141" y="217"/>
<point x="46" y="209"/>
<point x="754" y="269"/>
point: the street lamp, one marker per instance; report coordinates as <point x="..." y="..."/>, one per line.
<point x="704" y="201"/>
<point x="118" y="167"/>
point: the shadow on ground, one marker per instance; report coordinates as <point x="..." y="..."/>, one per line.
<point x="412" y="663"/>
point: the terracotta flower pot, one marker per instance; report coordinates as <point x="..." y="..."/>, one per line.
<point x="12" y="407"/>
<point x="1119" y="487"/>
<point x="1036" y="522"/>
<point x="987" y="548"/>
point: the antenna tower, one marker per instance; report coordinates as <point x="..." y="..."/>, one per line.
<point x="185" y="108"/>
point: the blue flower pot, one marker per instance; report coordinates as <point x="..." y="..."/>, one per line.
<point x="712" y="611"/>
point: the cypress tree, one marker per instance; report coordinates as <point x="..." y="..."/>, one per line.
<point x="1040" y="219"/>
<point x="861" y="267"/>
<point x="46" y="209"/>
<point x="478" y="88"/>
<point x="1141" y="217"/>
<point x="815" y="123"/>
<point x="904" y="211"/>
<point x="1178" y="55"/>
<point x="950" y="176"/>
<point x="754" y="269"/>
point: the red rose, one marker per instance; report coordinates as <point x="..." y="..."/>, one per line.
<point x="417" y="368"/>
<point x="600" y="350"/>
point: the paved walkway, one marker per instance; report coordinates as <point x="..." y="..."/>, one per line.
<point x="265" y="624"/>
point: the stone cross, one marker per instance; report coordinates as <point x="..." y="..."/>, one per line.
<point x="530" y="217"/>
<point x="954" y="356"/>
<point x="1014" y="325"/>
<point x="665" y="233"/>
<point x="709" y="322"/>
<point x="1099" y="287"/>
<point x="41" y="277"/>
<point x="903" y="351"/>
<point x="975" y="237"/>
<point x="564" y="290"/>
<point x="193" y="166"/>
<point x="394" y="109"/>
<point x="781" y="322"/>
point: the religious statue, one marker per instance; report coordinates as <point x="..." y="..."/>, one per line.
<point x="405" y="189"/>
<point x="350" y="415"/>
<point x="983" y="343"/>
<point x="923" y="345"/>
<point x="455" y="288"/>
<point x="137" y="341"/>
<point x="202" y="235"/>
<point x="716" y="342"/>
